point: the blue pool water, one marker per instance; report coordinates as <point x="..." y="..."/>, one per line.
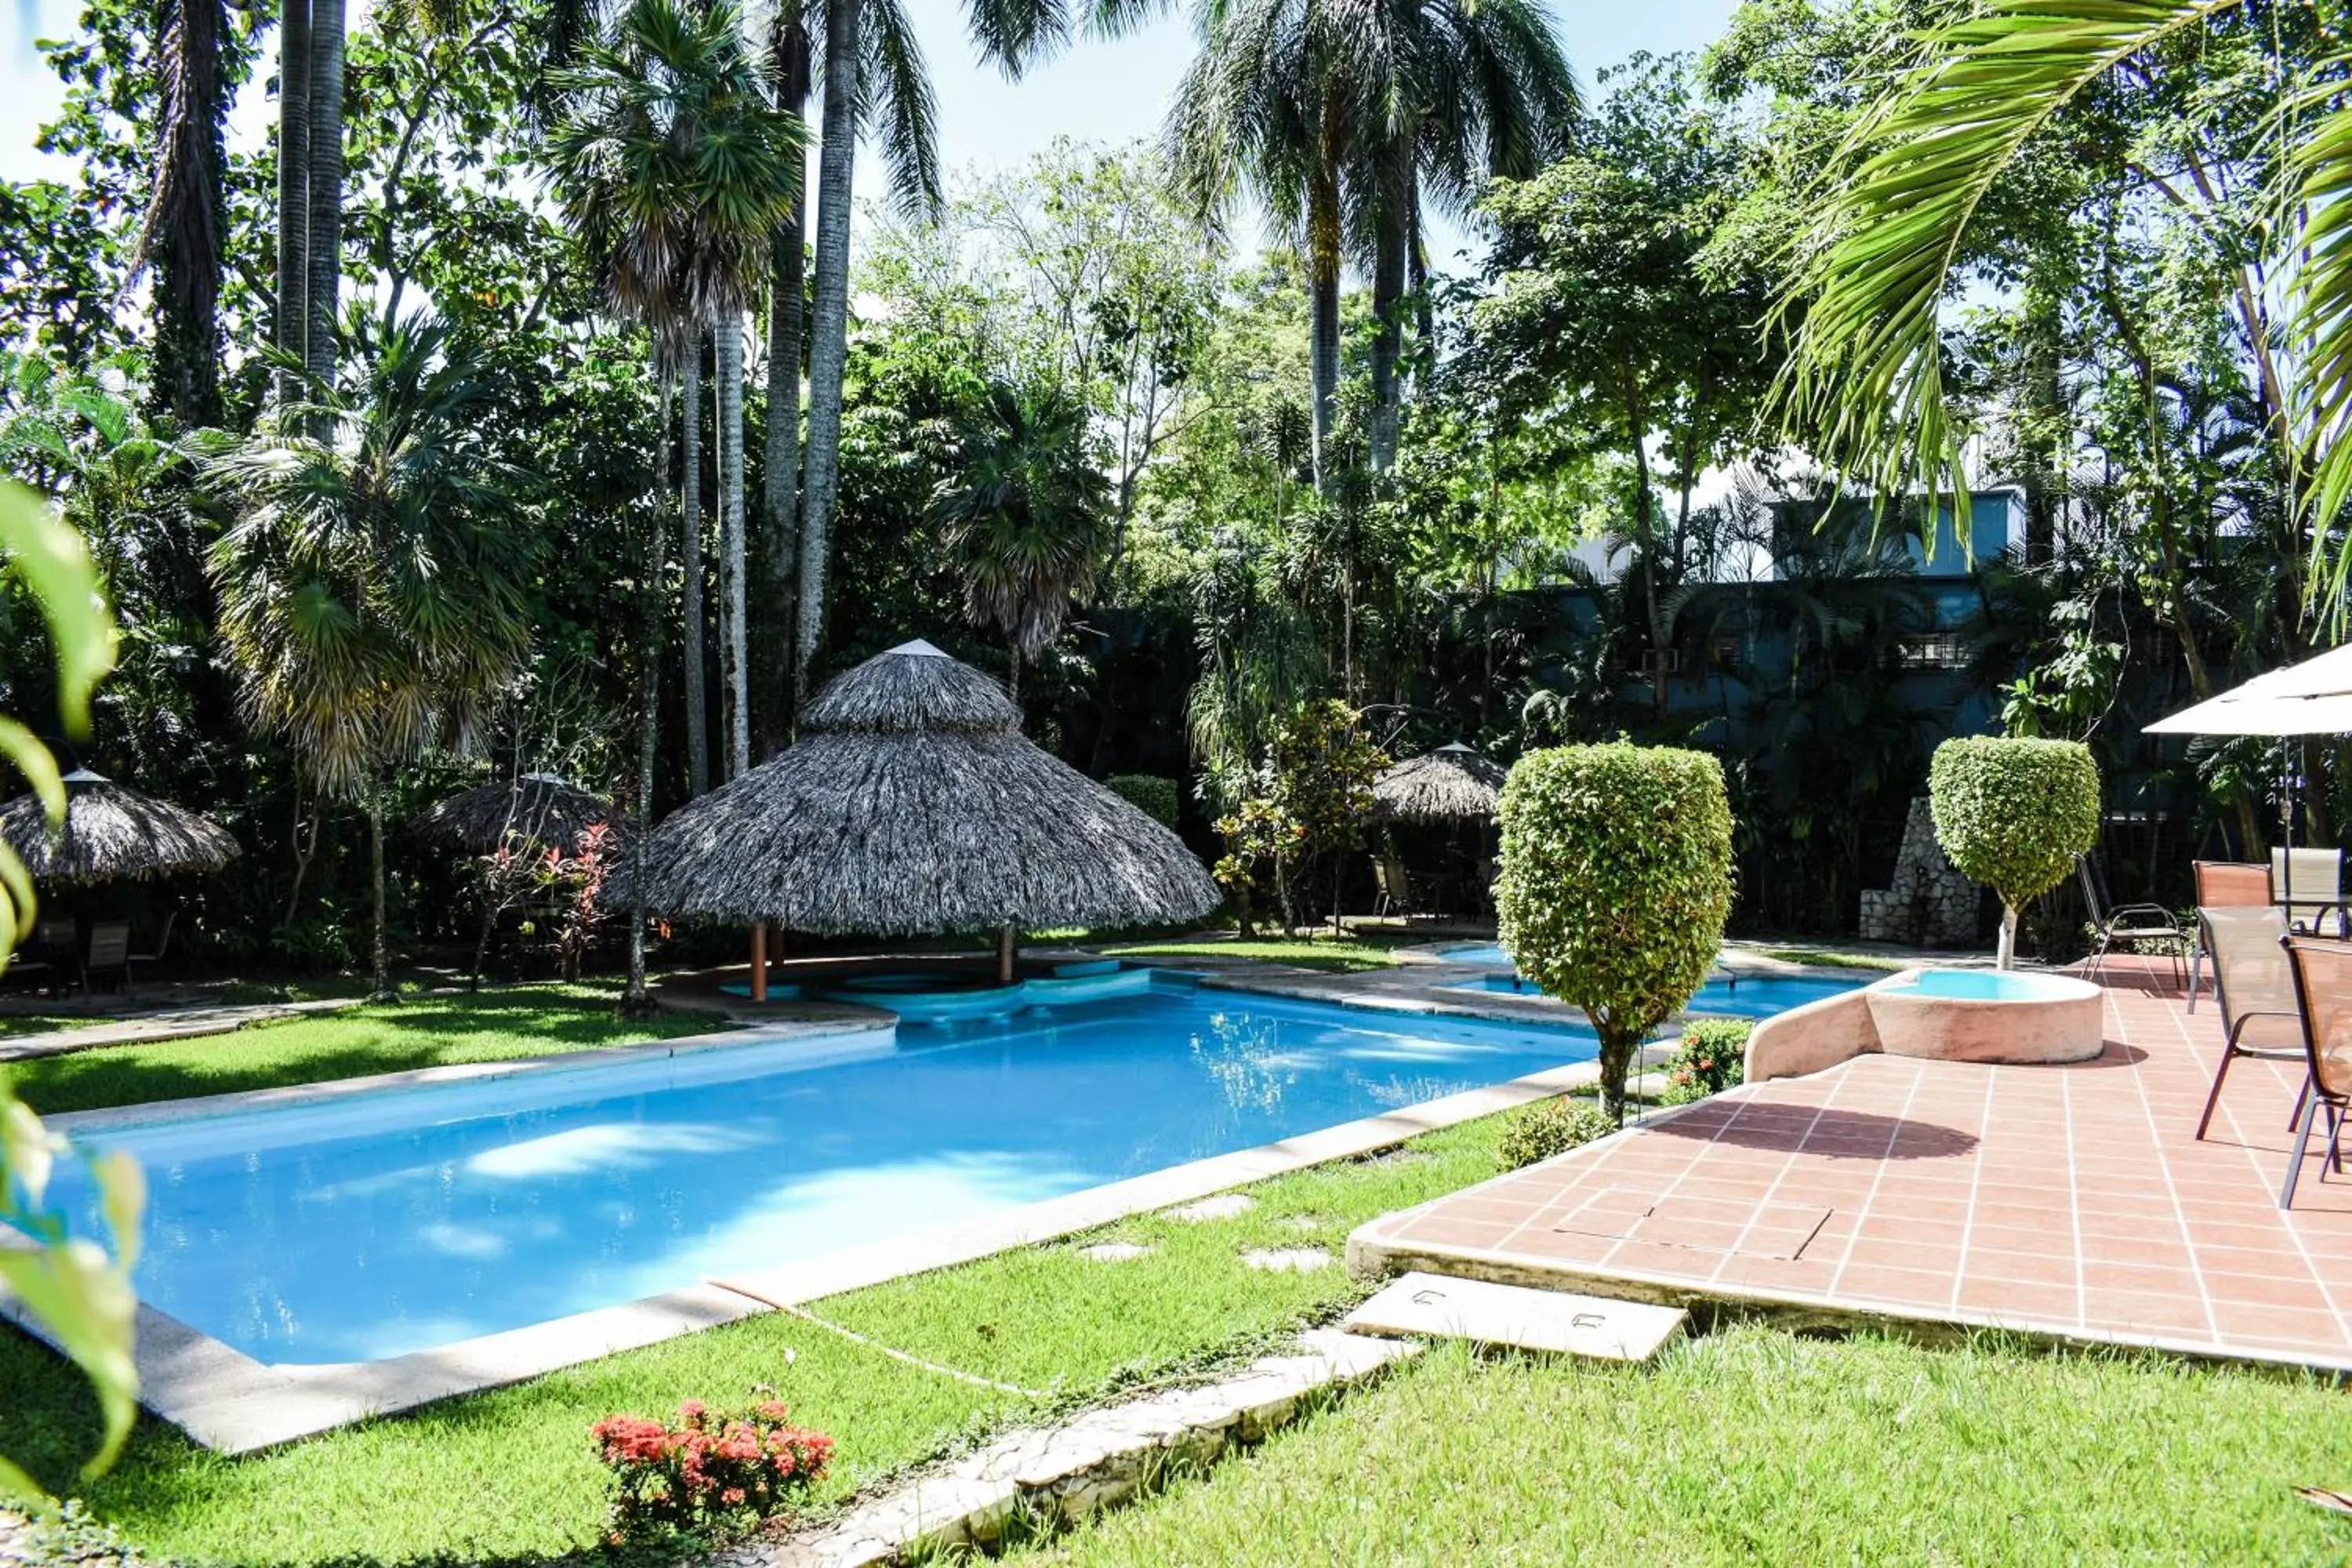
<point x="1984" y="985"/>
<point x="1751" y="996"/>
<point x="1485" y="954"/>
<point x="409" y="1219"/>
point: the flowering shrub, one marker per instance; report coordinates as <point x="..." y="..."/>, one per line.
<point x="707" y="1470"/>
<point x="1712" y="1058"/>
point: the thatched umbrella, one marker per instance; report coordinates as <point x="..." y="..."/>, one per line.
<point x="1451" y="783"/>
<point x="540" y="809"/>
<point x="112" y="833"/>
<point x="910" y="804"/>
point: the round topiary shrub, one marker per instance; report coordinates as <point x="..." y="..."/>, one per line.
<point x="1156" y="796"/>
<point x="1616" y="880"/>
<point x="1550" y="1127"/>
<point x="2014" y="815"/>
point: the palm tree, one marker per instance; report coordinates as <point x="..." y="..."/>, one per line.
<point x="181" y="237"/>
<point x="374" y="587"/>
<point x="1027" y="513"/>
<point x="290" y="318"/>
<point x="674" y="168"/>
<point x="870" y="43"/>
<point x="1864" y="384"/>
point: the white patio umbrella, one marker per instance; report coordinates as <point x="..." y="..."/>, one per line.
<point x="2313" y="697"/>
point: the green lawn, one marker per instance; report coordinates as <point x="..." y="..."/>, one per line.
<point x="428" y="1031"/>
<point x="1339" y="955"/>
<point x="508" y="1475"/>
<point x="1758" y="1445"/>
<point x="1829" y="958"/>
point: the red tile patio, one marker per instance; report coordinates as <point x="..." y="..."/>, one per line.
<point x="2071" y="1202"/>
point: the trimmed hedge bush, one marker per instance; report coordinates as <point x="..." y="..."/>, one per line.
<point x="2014" y="815"/>
<point x="1615" y="884"/>
<point x="1157" y="797"/>
<point x="1550" y="1127"/>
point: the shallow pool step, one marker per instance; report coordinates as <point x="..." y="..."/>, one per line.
<point x="1439" y="1306"/>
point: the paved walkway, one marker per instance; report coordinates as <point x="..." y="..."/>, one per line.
<point x="2071" y="1202"/>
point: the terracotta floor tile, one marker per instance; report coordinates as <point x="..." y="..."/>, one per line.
<point x="2022" y="1268"/>
<point x="2143" y="1279"/>
<point x="2133" y="1312"/>
<point x="2298" y="1290"/>
<point x="1908" y="1285"/>
<point x="1869" y="1253"/>
<point x="2048" y="1241"/>
<point x="2016" y="1301"/>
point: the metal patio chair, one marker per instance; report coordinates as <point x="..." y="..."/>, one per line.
<point x="2125" y="926"/>
<point x="2322" y="989"/>
<point x="2316" y="886"/>
<point x="2254" y="990"/>
<point x="2222" y="885"/>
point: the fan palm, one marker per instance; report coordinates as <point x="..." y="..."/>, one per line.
<point x="374" y="587"/>
<point x="1027" y="513"/>
<point x="1866" y="381"/>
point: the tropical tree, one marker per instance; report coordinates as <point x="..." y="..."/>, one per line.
<point x="375" y="586"/>
<point x="181" y="237"/>
<point x="868" y="43"/>
<point x="1907" y="199"/>
<point x="675" y="169"/>
<point x="1027" y="513"/>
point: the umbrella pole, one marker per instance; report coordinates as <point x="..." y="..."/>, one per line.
<point x="1008" y="948"/>
<point x="758" y="961"/>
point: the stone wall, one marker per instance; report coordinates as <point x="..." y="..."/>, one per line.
<point x="1930" y="904"/>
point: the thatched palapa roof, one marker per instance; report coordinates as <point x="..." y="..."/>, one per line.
<point x="112" y="833"/>
<point x="540" y="809"/>
<point x="912" y="802"/>
<point x="1451" y="783"/>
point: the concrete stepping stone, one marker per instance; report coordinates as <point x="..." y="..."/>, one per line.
<point x="1223" y="1206"/>
<point x="1114" y="1252"/>
<point x="1287" y="1259"/>
<point x="1437" y="1306"/>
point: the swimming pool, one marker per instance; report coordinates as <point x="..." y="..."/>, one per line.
<point x="409" y="1219"/>
<point x="1737" y="997"/>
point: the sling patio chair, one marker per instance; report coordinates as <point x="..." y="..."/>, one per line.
<point x="2322" y="989"/>
<point x="2254" y="990"/>
<point x="2314" y="880"/>
<point x="2223" y="885"/>
<point x="2125" y="926"/>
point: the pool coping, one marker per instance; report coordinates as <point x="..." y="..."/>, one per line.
<point x="233" y="1404"/>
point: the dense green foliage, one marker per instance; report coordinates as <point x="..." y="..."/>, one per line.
<point x="1710" y="1056"/>
<point x="1549" y="1127"/>
<point x="2015" y="814"/>
<point x="1158" y="795"/>
<point x="1615" y="884"/>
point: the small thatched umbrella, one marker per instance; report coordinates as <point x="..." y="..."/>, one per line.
<point x="540" y="809"/>
<point x="912" y="802"/>
<point x="111" y="834"/>
<point x="1451" y="783"/>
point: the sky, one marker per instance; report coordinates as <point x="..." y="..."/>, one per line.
<point x="1111" y="92"/>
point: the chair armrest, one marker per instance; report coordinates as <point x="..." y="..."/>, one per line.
<point x="2127" y="912"/>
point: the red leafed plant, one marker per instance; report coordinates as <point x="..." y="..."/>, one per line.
<point x="708" y="1470"/>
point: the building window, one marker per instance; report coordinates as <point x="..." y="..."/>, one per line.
<point x="1938" y="650"/>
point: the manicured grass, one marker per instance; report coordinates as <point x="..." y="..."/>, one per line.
<point x="1755" y="1446"/>
<point x="427" y="1031"/>
<point x="1339" y="955"/>
<point x="508" y="1474"/>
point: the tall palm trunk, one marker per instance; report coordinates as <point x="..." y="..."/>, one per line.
<point x="380" y="959"/>
<point x="637" y="1001"/>
<point x="729" y="361"/>
<point x="829" y="327"/>
<point x="696" y="637"/>
<point x="290" y="327"/>
<point x="1323" y="294"/>
<point x="182" y="233"/>
<point x="1392" y="237"/>
<point x="324" y="199"/>
<point x="781" y="484"/>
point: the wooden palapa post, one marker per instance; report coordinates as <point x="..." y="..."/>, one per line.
<point x="758" y="961"/>
<point x="1008" y="948"/>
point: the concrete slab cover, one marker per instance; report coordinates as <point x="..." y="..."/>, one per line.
<point x="1444" y="1307"/>
<point x="1772" y="1229"/>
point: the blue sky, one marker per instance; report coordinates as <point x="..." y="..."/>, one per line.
<point x="1104" y="92"/>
